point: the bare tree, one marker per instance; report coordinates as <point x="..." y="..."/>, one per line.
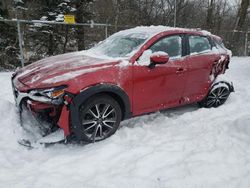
<point x="238" y="39"/>
<point x="242" y="14"/>
<point x="210" y="10"/>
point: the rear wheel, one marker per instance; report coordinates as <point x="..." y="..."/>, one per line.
<point x="217" y="96"/>
<point x="100" y="117"/>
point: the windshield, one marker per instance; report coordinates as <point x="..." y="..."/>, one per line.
<point x="120" y="45"/>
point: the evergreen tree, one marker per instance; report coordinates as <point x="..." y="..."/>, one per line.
<point x="8" y="46"/>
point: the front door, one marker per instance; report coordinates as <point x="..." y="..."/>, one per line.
<point x="162" y="86"/>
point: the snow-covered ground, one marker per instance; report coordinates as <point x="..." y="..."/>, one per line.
<point x="183" y="147"/>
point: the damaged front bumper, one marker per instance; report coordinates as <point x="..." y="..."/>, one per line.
<point x="51" y="114"/>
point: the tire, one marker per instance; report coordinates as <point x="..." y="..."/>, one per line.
<point x="100" y="117"/>
<point x="216" y="96"/>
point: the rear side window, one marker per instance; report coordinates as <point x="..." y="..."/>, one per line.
<point x="171" y="45"/>
<point x="199" y="44"/>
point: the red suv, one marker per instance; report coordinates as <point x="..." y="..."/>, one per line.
<point x="133" y="72"/>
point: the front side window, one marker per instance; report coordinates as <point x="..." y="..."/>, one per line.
<point x="171" y="45"/>
<point x="199" y="44"/>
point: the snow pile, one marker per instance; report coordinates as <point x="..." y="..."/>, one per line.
<point x="183" y="147"/>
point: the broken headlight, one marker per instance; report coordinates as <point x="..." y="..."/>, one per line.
<point x="52" y="93"/>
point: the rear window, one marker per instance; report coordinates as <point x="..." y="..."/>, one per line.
<point x="199" y="44"/>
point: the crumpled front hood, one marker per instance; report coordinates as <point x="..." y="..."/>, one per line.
<point x="56" y="69"/>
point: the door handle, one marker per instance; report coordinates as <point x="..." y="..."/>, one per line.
<point x="180" y="70"/>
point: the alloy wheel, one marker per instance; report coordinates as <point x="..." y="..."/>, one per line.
<point x="217" y="97"/>
<point x="99" y="121"/>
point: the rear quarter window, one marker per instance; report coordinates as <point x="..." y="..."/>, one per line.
<point x="219" y="44"/>
<point x="199" y="44"/>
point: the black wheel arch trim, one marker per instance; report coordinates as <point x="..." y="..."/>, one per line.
<point x="91" y="91"/>
<point x="229" y="84"/>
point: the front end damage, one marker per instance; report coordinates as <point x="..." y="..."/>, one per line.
<point x="49" y="109"/>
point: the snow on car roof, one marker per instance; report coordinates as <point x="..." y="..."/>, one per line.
<point x="150" y="30"/>
<point x="153" y="30"/>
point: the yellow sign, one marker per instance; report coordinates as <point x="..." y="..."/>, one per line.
<point x="70" y="19"/>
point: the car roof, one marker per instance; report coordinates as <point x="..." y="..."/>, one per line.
<point x="150" y="31"/>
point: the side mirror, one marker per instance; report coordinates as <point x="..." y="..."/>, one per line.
<point x="158" y="58"/>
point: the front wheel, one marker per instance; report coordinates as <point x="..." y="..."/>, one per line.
<point x="217" y="96"/>
<point x="100" y="117"/>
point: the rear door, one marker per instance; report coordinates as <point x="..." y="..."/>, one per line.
<point x="200" y="60"/>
